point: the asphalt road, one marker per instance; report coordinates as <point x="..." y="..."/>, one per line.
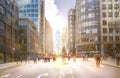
<point x="57" y="69"/>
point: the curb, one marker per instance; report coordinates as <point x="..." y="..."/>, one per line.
<point x="7" y="65"/>
<point x="111" y="65"/>
<point x="107" y="64"/>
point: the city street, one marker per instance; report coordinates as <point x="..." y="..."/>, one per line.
<point x="57" y="69"/>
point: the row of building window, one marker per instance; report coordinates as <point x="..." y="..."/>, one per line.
<point x="105" y="38"/>
<point x="110" y="6"/>
<point x="27" y="1"/>
<point x="109" y="0"/>
<point x="89" y="31"/>
<point x="110" y="30"/>
<point x="90" y="15"/>
<point x="88" y="8"/>
<point x="110" y="23"/>
<point x="29" y="6"/>
<point x="89" y="39"/>
<point x="3" y="11"/>
<point x="111" y="38"/>
<point x="32" y="10"/>
<point x="110" y="14"/>
<point x="85" y="1"/>
<point x="89" y="23"/>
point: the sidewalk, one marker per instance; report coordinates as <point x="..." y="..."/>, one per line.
<point x="109" y="61"/>
<point x="7" y="65"/>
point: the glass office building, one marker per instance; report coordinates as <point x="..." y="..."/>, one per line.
<point x="30" y="9"/>
<point x="87" y="25"/>
<point x="97" y="26"/>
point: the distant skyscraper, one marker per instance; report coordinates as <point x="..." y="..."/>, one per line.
<point x="57" y="41"/>
<point x="71" y="30"/>
<point x="48" y="37"/>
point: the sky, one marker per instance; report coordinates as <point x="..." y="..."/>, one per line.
<point x="56" y="12"/>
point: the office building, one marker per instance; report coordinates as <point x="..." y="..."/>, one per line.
<point x="71" y="30"/>
<point x="96" y="27"/>
<point x="8" y="28"/>
<point x="48" y="38"/>
<point x="28" y="38"/>
<point x="34" y="9"/>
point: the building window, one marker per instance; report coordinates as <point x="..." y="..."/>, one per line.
<point x="103" y="6"/>
<point x="104" y="14"/>
<point x="117" y="30"/>
<point x="2" y="10"/>
<point x="110" y="38"/>
<point x="117" y="38"/>
<point x="116" y="6"/>
<point x="104" y="38"/>
<point x="116" y="14"/>
<point x="110" y="23"/>
<point x="104" y="30"/>
<point x="109" y="0"/>
<point x="110" y="30"/>
<point x="103" y="0"/>
<point x="110" y="14"/>
<point x="2" y="25"/>
<point x="110" y="6"/>
<point x="104" y="22"/>
<point x="116" y="0"/>
<point x="9" y="15"/>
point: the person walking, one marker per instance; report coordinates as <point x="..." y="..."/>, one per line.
<point x="97" y="59"/>
<point x="117" y="58"/>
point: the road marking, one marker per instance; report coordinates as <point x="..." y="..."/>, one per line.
<point x="45" y="74"/>
<point x="5" y="76"/>
<point x="19" y="76"/>
<point x="42" y="75"/>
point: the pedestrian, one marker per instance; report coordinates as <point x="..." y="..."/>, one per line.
<point x="74" y="58"/>
<point x="86" y="57"/>
<point x="117" y="58"/>
<point x="97" y="59"/>
<point x="83" y="56"/>
<point x="35" y="59"/>
<point x="69" y="57"/>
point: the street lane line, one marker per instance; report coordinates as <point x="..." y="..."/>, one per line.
<point x="5" y="76"/>
<point x="46" y="74"/>
<point x="19" y="76"/>
<point x="39" y="76"/>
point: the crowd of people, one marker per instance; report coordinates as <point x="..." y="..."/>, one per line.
<point x="98" y="56"/>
